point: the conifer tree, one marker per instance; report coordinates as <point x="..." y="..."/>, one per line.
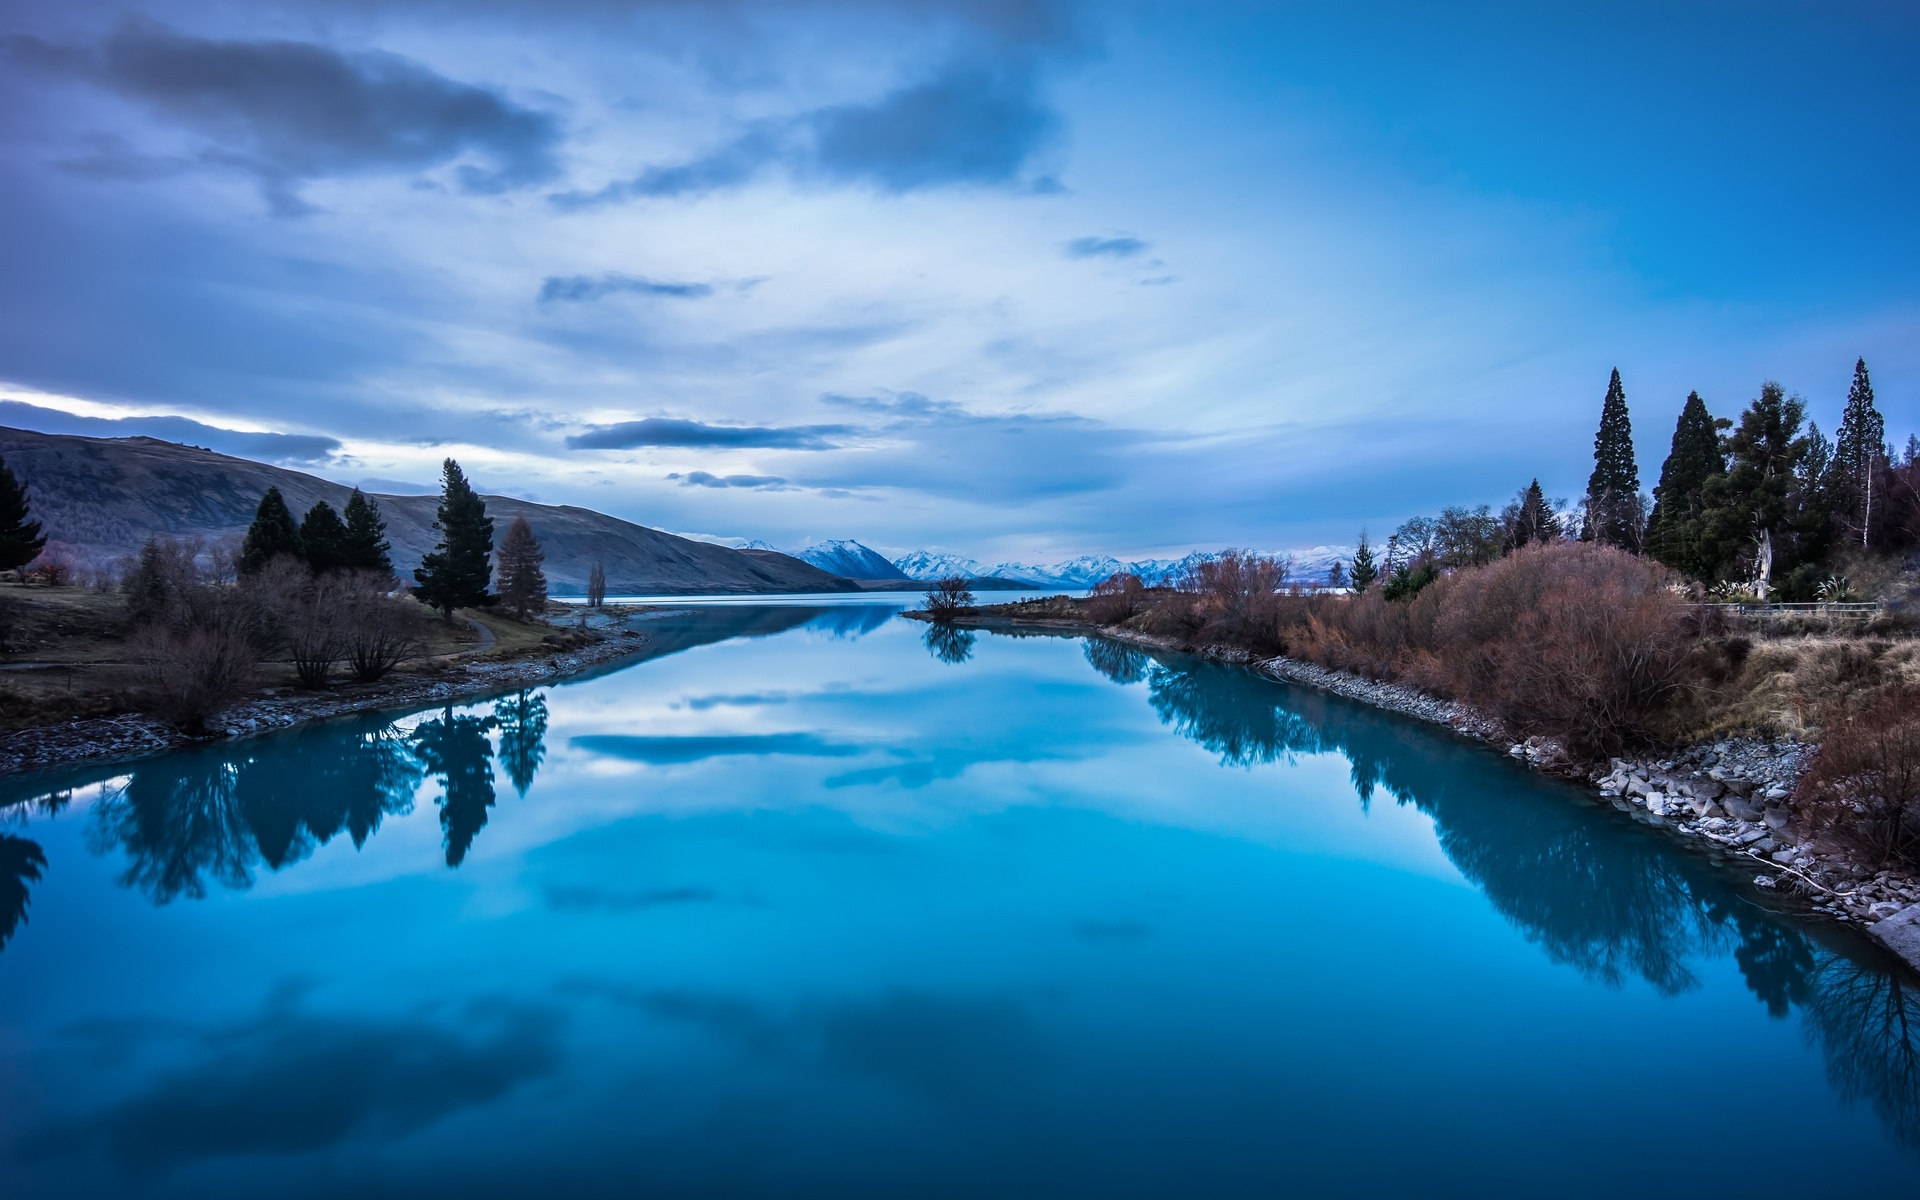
<point x="20" y="538"/>
<point x="272" y="534"/>
<point x="456" y="574"/>
<point x="323" y="538"/>
<point x="1364" y="571"/>
<point x="1529" y="519"/>
<point x="1673" y="532"/>
<point x="521" y="583"/>
<point x="1613" y="491"/>
<point x="366" y="542"/>
<point x="1751" y="514"/>
<point x="1857" y="452"/>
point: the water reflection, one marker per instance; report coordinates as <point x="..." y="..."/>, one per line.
<point x="949" y="643"/>
<point x="190" y="821"/>
<point x="1117" y="661"/>
<point x="1602" y="896"/>
<point x="21" y="862"/>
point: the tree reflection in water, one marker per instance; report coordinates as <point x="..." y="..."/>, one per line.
<point x="213" y="816"/>
<point x="1117" y="661"/>
<point x="1609" y="899"/>
<point x="21" y="862"/>
<point x="949" y="643"/>
<point x="457" y="750"/>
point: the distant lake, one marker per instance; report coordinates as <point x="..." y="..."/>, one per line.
<point x="820" y="902"/>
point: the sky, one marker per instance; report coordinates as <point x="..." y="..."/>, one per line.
<point x="1018" y="280"/>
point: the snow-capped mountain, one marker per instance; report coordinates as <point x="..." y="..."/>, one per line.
<point x="927" y="565"/>
<point x="849" y="558"/>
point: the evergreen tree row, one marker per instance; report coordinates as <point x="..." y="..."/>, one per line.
<point x="322" y="540"/>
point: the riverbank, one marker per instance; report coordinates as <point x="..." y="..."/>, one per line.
<point x="421" y="682"/>
<point x="1725" y="798"/>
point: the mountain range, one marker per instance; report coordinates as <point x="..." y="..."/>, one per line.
<point x="101" y="498"/>
<point x="855" y="561"/>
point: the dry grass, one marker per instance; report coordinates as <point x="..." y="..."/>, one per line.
<point x="1790" y="687"/>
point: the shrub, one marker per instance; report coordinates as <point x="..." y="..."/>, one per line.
<point x="189" y="671"/>
<point x="1864" y="786"/>
<point x="1116" y="598"/>
<point x="948" y="598"/>
<point x="381" y="630"/>
<point x="1237" y="597"/>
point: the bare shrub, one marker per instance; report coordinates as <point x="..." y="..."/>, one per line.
<point x="304" y="612"/>
<point x="1116" y="598"/>
<point x="382" y="630"/>
<point x="1864" y="787"/>
<point x="949" y="598"/>
<point x="190" y="670"/>
<point x="1237" y="596"/>
<point x="57" y="566"/>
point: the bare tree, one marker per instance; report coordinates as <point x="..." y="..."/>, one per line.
<point x="948" y="598"/>
<point x="597" y="585"/>
<point x="382" y="631"/>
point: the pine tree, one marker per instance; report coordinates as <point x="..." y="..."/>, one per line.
<point x="1857" y="452"/>
<point x="323" y="538"/>
<point x="1364" y="570"/>
<point x="272" y="534"/>
<point x="1751" y="514"/>
<point x="1673" y="532"/>
<point x="1529" y="519"/>
<point x="20" y="538"/>
<point x="1613" y="491"/>
<point x="366" y="544"/>
<point x="521" y="583"/>
<point x="455" y="575"/>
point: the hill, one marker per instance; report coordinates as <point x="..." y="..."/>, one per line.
<point x="103" y="497"/>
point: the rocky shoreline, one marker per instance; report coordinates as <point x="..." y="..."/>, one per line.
<point x="1726" y="798"/>
<point x="134" y="736"/>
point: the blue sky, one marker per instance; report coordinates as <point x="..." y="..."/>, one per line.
<point x="1021" y="280"/>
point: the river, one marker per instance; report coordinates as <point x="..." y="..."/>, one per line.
<point x="816" y="901"/>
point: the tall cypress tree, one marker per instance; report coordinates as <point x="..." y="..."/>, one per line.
<point x="1673" y="532"/>
<point x="1613" y="491"/>
<point x="272" y="534"/>
<point x="367" y="548"/>
<point x="323" y="536"/>
<point x="20" y="539"/>
<point x="456" y="574"/>
<point x="1857" y="452"/>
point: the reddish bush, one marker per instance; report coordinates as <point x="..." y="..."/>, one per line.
<point x="1237" y="597"/>
<point x="1116" y="598"/>
<point x="1864" y="788"/>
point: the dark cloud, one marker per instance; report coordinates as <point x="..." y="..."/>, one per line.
<point x="1099" y="247"/>
<point x="671" y="431"/>
<point x="771" y="483"/>
<point x="971" y="126"/>
<point x="291" y="1083"/>
<point x="570" y="288"/>
<point x="288" y="448"/>
<point x="287" y="111"/>
<point x="666" y="750"/>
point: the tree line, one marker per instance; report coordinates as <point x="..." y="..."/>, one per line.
<point x="1764" y="506"/>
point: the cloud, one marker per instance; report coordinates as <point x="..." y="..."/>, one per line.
<point x="671" y="431"/>
<point x="576" y="288"/>
<point x="292" y="1083"/>
<point x="288" y="448"/>
<point x="670" y="750"/>
<point x="287" y="111"/>
<point x="969" y="126"/>
<point x="771" y="483"/>
<point x="1099" y="247"/>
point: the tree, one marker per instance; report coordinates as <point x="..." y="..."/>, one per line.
<point x="1337" y="575"/>
<point x="323" y="538"/>
<point x="1614" y="514"/>
<point x="21" y="862"/>
<point x="1364" y="570"/>
<point x="271" y="534"/>
<point x="522" y="719"/>
<point x="1529" y="519"/>
<point x="1858" y="449"/>
<point x="1673" y="532"/>
<point x="521" y="582"/>
<point x="20" y="538"/>
<point x="457" y="750"/>
<point x="597" y="585"/>
<point x="366" y="541"/>
<point x="1467" y="537"/>
<point x="948" y="598"/>
<point x="456" y="574"/>
<point x="1750" y="514"/>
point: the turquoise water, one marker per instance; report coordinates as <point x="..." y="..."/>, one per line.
<point x="815" y="903"/>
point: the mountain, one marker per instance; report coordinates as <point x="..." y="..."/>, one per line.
<point x="103" y="497"/>
<point x="848" y="558"/>
<point x="927" y="566"/>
